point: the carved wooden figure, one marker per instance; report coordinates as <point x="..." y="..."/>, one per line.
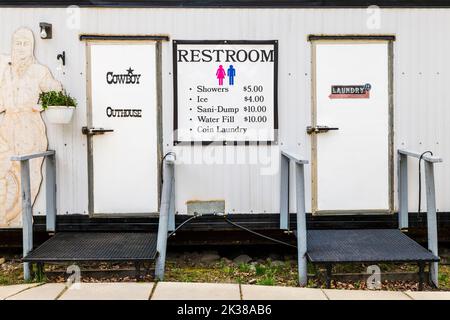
<point x="22" y="130"/>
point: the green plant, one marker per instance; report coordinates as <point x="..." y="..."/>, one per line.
<point x="243" y="267"/>
<point x="260" y="270"/>
<point x="444" y="278"/>
<point x="228" y="270"/>
<point x="266" y="281"/>
<point x="39" y="275"/>
<point x="56" y="98"/>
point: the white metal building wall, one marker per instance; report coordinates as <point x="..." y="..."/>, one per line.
<point x="421" y="99"/>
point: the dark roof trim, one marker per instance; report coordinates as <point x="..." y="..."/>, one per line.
<point x="87" y="37"/>
<point x="351" y="37"/>
<point x="232" y="3"/>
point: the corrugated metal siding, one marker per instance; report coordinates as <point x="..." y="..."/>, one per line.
<point x="421" y="72"/>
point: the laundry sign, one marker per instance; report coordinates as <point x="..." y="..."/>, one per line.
<point x="350" y="91"/>
<point x="225" y="91"/>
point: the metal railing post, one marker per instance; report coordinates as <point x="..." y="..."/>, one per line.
<point x="284" y="193"/>
<point x="171" y="226"/>
<point x="27" y="209"/>
<point x="50" y="190"/>
<point x="27" y="215"/>
<point x="432" y="220"/>
<point x="432" y="230"/>
<point x="301" y="224"/>
<point x="302" y="246"/>
<point x="402" y="191"/>
<point x="161" y="247"/>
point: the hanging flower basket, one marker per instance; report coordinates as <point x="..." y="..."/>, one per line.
<point x="58" y="106"/>
<point x="59" y="114"/>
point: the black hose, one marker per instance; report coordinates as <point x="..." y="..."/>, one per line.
<point x="259" y="234"/>
<point x="233" y="224"/>
<point x="162" y="165"/>
<point x="181" y="225"/>
<point x="419" y="218"/>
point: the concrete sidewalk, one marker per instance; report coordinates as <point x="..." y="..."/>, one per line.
<point x="198" y="291"/>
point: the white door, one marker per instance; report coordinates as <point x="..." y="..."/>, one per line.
<point x="124" y="161"/>
<point x="352" y="160"/>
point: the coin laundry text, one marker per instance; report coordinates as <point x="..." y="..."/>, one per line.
<point x="218" y="129"/>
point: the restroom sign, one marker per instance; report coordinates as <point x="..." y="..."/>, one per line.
<point x="225" y="91"/>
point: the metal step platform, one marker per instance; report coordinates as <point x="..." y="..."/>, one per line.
<point x="365" y="246"/>
<point x="96" y="246"/>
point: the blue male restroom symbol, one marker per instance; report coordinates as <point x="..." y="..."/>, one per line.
<point x="231" y="73"/>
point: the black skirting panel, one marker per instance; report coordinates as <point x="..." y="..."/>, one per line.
<point x="79" y="222"/>
<point x="215" y="230"/>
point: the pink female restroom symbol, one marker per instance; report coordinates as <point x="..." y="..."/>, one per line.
<point x="221" y="74"/>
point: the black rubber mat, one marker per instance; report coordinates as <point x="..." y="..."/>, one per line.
<point x="96" y="246"/>
<point x="368" y="245"/>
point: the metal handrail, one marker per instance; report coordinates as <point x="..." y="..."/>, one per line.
<point x="294" y="157"/>
<point x="27" y="210"/>
<point x="286" y="158"/>
<point x="431" y="201"/>
<point x="33" y="155"/>
<point x="167" y="213"/>
<point x="418" y="155"/>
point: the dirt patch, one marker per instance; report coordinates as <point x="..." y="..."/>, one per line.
<point x="11" y="271"/>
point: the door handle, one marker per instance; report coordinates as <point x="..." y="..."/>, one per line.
<point x="95" y="131"/>
<point x="319" y="129"/>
